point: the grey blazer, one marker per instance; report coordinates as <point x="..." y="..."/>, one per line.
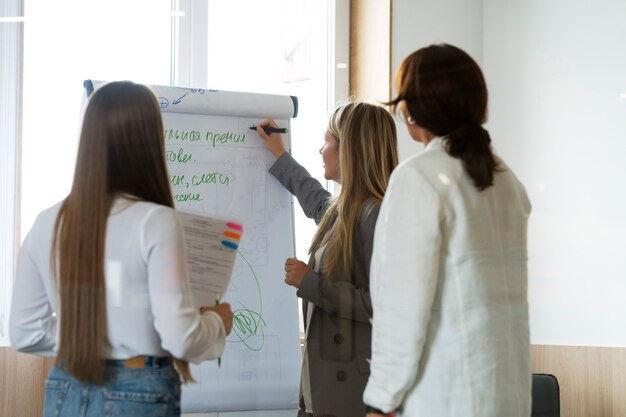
<point x="339" y="337"/>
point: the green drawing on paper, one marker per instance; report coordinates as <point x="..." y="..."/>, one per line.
<point x="247" y="322"/>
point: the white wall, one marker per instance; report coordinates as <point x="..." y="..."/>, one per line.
<point x="557" y="76"/>
<point x="419" y="23"/>
<point x="556" y="73"/>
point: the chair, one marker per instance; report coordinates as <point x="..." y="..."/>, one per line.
<point x="546" y="402"/>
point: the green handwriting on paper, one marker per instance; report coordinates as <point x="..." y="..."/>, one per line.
<point x="177" y="181"/>
<point x="195" y="180"/>
<point x="213" y="138"/>
<point x="210" y="178"/>
<point x="179" y="156"/>
<point x="174" y="135"/>
<point x="223" y="138"/>
<point x="188" y="197"/>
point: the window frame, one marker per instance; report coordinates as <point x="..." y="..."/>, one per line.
<point x="11" y="35"/>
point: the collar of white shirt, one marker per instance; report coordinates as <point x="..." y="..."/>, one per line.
<point x="435" y="143"/>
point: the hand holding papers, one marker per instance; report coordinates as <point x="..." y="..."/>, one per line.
<point x="211" y="245"/>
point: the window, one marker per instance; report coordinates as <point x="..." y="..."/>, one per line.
<point x="179" y="42"/>
<point x="279" y="47"/>
<point x="127" y="40"/>
<point x="298" y="48"/>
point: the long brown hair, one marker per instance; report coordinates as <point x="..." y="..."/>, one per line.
<point x="121" y="150"/>
<point x="444" y="91"/>
<point x="368" y="152"/>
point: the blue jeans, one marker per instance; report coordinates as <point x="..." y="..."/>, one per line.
<point x="152" y="391"/>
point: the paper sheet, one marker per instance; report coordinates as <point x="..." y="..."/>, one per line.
<point x="211" y="245"/>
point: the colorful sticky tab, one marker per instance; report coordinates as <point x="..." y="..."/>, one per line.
<point x="231" y="234"/>
<point x="229" y="244"/>
<point x="235" y="226"/>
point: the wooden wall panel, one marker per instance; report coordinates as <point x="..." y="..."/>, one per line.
<point x="592" y="379"/>
<point x="22" y="381"/>
<point x="370" y="50"/>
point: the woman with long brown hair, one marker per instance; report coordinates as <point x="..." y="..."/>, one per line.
<point x="101" y="278"/>
<point x="449" y="268"/>
<point x="359" y="152"/>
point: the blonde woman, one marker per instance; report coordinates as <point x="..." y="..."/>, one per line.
<point x="101" y="280"/>
<point x="359" y="152"/>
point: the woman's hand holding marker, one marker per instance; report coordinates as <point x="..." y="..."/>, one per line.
<point x="273" y="141"/>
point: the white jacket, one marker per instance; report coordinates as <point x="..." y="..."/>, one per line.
<point x="449" y="292"/>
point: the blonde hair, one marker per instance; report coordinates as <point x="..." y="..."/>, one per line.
<point x="367" y="141"/>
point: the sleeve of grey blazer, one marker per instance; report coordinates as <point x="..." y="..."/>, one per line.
<point x="312" y="196"/>
<point x="343" y="298"/>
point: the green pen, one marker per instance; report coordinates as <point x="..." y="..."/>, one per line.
<point x="219" y="358"/>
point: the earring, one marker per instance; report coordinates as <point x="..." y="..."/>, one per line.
<point x="410" y="120"/>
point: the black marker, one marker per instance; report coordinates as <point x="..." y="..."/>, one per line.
<point x="270" y="129"/>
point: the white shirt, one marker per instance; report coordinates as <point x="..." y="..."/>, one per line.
<point x="305" y="376"/>
<point x="150" y="310"/>
<point x="449" y="292"/>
